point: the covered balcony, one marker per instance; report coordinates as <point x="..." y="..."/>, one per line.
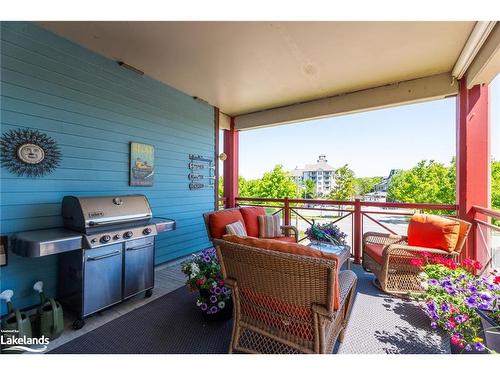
<point x="86" y="92"/>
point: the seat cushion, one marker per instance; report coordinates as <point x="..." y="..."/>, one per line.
<point x="218" y="220"/>
<point x="284" y="239"/>
<point x="289" y="248"/>
<point x="433" y="231"/>
<point x="250" y="215"/>
<point x="374" y="251"/>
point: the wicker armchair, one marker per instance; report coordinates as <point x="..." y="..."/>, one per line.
<point x="283" y="303"/>
<point x="392" y="268"/>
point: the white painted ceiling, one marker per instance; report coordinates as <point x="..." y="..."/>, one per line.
<point x="243" y="67"/>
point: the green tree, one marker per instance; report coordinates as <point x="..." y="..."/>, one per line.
<point x="277" y="183"/>
<point x="427" y="182"/>
<point x="495" y="184"/>
<point x="309" y="191"/>
<point x="343" y="184"/>
<point x="365" y="185"/>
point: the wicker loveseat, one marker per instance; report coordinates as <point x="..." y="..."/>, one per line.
<point x="284" y="302"/>
<point x="389" y="257"/>
<point x="216" y="221"/>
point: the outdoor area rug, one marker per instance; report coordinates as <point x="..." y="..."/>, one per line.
<point x="379" y="324"/>
<point x="169" y="324"/>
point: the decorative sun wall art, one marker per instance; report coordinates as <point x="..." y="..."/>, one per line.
<point x="28" y="152"/>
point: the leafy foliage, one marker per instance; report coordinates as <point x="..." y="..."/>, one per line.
<point x="495" y="187"/>
<point x="343" y="184"/>
<point x="427" y="182"/>
<point x="309" y="191"/>
<point x="365" y="185"/>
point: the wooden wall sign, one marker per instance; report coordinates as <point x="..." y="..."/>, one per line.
<point x="142" y="164"/>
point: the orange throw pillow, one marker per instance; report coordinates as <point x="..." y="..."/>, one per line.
<point x="433" y="231"/>
<point x="289" y="248"/>
<point x="250" y="215"/>
<point x="218" y="220"/>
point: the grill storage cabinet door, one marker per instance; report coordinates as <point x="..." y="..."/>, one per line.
<point x="103" y="278"/>
<point x="139" y="266"/>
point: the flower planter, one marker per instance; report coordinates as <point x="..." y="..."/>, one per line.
<point x="491" y="332"/>
<point x="223" y="314"/>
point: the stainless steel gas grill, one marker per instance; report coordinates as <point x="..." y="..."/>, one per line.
<point x="113" y="239"/>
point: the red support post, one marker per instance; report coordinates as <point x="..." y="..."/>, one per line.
<point x="286" y="212"/>
<point x="231" y="149"/>
<point x="357" y="231"/>
<point x="473" y="157"/>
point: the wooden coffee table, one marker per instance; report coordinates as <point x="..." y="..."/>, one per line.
<point x="342" y="251"/>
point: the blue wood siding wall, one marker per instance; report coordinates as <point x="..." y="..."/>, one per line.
<point x="93" y="108"/>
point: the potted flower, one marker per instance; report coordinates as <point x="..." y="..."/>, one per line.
<point x="204" y="275"/>
<point x="461" y="303"/>
<point x="327" y="232"/>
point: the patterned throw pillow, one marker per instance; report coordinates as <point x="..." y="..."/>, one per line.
<point x="236" y="228"/>
<point x="269" y="226"/>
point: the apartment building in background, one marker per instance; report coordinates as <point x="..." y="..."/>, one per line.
<point x="321" y="173"/>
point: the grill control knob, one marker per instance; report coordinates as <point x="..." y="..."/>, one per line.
<point x="117" y="237"/>
<point x="128" y="234"/>
<point x="105" y="238"/>
<point x="146" y="231"/>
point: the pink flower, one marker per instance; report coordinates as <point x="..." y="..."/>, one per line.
<point x="417" y="262"/>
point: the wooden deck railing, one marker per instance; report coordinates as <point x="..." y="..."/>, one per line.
<point x="357" y="210"/>
<point x="486" y="236"/>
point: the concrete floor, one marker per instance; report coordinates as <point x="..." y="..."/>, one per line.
<point x="168" y="277"/>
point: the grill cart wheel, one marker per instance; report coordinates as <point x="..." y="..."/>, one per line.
<point x="148" y="293"/>
<point x="78" y="324"/>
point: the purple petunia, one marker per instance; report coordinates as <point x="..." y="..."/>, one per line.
<point x="486" y="296"/>
<point x="431" y="305"/>
<point x="213" y="298"/>
<point x="471" y="301"/>
<point x="213" y="309"/>
<point x="217" y="290"/>
<point x="434" y="325"/>
<point x="203" y="307"/>
<point x="432" y="282"/>
<point x="450" y="290"/>
<point x="479" y="347"/>
<point x="460" y="319"/>
<point x="445" y="307"/>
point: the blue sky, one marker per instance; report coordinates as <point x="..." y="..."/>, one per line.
<point x="371" y="143"/>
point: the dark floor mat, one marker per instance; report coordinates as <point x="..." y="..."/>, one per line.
<point x="169" y="324"/>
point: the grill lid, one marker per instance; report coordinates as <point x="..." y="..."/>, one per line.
<point x="88" y="214"/>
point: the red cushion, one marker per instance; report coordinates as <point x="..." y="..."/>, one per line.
<point x="218" y="220"/>
<point x="250" y="215"/>
<point x="374" y="251"/>
<point x="284" y="239"/>
<point x="433" y="231"/>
